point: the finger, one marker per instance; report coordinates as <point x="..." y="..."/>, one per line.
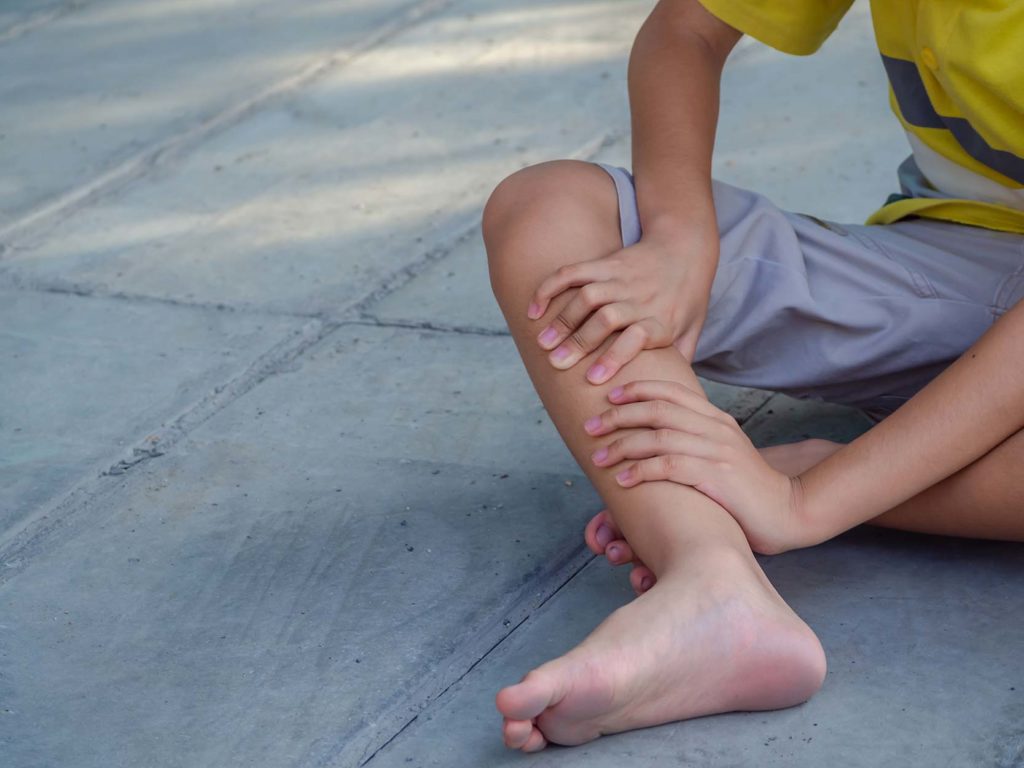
<point x="589" y="298"/>
<point x="685" y="470"/>
<point x="630" y="343"/>
<point x="516" y="732"/>
<point x="653" y="414"/>
<point x="657" y="442"/>
<point x="641" y="578"/>
<point x="563" y="278"/>
<point x="609" y="317"/>
<point x="536" y="742"/>
<point x="600" y="532"/>
<point x="670" y="391"/>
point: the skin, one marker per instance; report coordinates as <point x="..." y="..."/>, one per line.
<point x="718" y="637"/>
<point x="590" y="317"/>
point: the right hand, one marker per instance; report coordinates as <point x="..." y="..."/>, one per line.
<point x="656" y="292"/>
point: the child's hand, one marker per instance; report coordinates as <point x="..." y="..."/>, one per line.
<point x="692" y="442"/>
<point x="656" y="292"/>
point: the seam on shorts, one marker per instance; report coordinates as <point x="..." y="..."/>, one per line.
<point x="1007" y="287"/>
<point x="922" y="285"/>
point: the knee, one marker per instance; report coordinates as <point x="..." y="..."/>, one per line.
<point x="524" y="212"/>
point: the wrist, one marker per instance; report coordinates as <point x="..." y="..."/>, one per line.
<point x="805" y="520"/>
<point x="672" y="226"/>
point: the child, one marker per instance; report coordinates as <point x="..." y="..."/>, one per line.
<point x="618" y="289"/>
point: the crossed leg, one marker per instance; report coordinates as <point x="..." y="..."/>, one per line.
<point x="717" y="636"/>
<point x="984" y="500"/>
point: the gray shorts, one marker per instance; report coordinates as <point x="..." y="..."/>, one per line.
<point x="859" y="315"/>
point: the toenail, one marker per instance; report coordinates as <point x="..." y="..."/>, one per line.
<point x="613" y="552"/>
<point x="604" y="536"/>
<point x="645" y="583"/>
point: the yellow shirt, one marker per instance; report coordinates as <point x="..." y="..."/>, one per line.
<point x="956" y="83"/>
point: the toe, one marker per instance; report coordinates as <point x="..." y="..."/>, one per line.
<point x="517" y="733"/>
<point x="527" y="699"/>
<point x="536" y="742"/>
<point x="641" y="578"/>
<point x="619" y="552"/>
<point x="600" y="531"/>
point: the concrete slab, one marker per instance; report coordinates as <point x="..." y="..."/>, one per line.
<point x="87" y="86"/>
<point x="311" y="204"/>
<point x="306" y="570"/>
<point x="923" y="637"/>
<point x="288" y="580"/>
<point x="270" y="604"/>
<point x="86" y="378"/>
<point x="785" y="419"/>
<point x="20" y="16"/>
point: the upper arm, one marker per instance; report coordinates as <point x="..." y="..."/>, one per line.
<point x="791" y="26"/>
<point x="691" y="17"/>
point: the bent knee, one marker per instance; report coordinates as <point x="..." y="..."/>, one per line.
<point x="543" y="204"/>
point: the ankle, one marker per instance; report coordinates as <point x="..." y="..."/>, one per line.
<point x="717" y="562"/>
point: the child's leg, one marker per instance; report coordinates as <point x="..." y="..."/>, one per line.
<point x="717" y="637"/>
<point x="984" y="500"/>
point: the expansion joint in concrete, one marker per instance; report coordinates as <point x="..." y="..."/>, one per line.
<point x="11" y="281"/>
<point x="18" y="547"/>
<point x="468" y="330"/>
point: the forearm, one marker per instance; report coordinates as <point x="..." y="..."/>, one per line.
<point x="674" y="75"/>
<point x="971" y="407"/>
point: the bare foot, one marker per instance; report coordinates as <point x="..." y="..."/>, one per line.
<point x="708" y="645"/>
<point x="603" y="537"/>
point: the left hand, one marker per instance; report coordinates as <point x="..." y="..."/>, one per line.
<point x="691" y="442"/>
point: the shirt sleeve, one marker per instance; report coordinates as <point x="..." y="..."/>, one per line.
<point x="791" y="26"/>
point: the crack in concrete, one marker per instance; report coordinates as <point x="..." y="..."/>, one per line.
<point x="431" y="702"/>
<point x="360" y="748"/>
<point x="50" y="213"/>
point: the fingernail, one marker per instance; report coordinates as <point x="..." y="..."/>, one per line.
<point x="561" y="353"/>
<point x="646" y="583"/>
<point x="592" y="423"/>
<point x="534" y="311"/>
<point x="616" y="393"/>
<point x="624" y="475"/>
<point x="547" y="336"/>
<point x="613" y="552"/>
<point x="600" y="455"/>
<point x="596" y="373"/>
<point x="603" y="536"/>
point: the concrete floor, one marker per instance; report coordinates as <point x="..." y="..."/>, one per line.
<point x="274" y="487"/>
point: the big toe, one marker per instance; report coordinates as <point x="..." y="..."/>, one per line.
<point x="527" y="699"/>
